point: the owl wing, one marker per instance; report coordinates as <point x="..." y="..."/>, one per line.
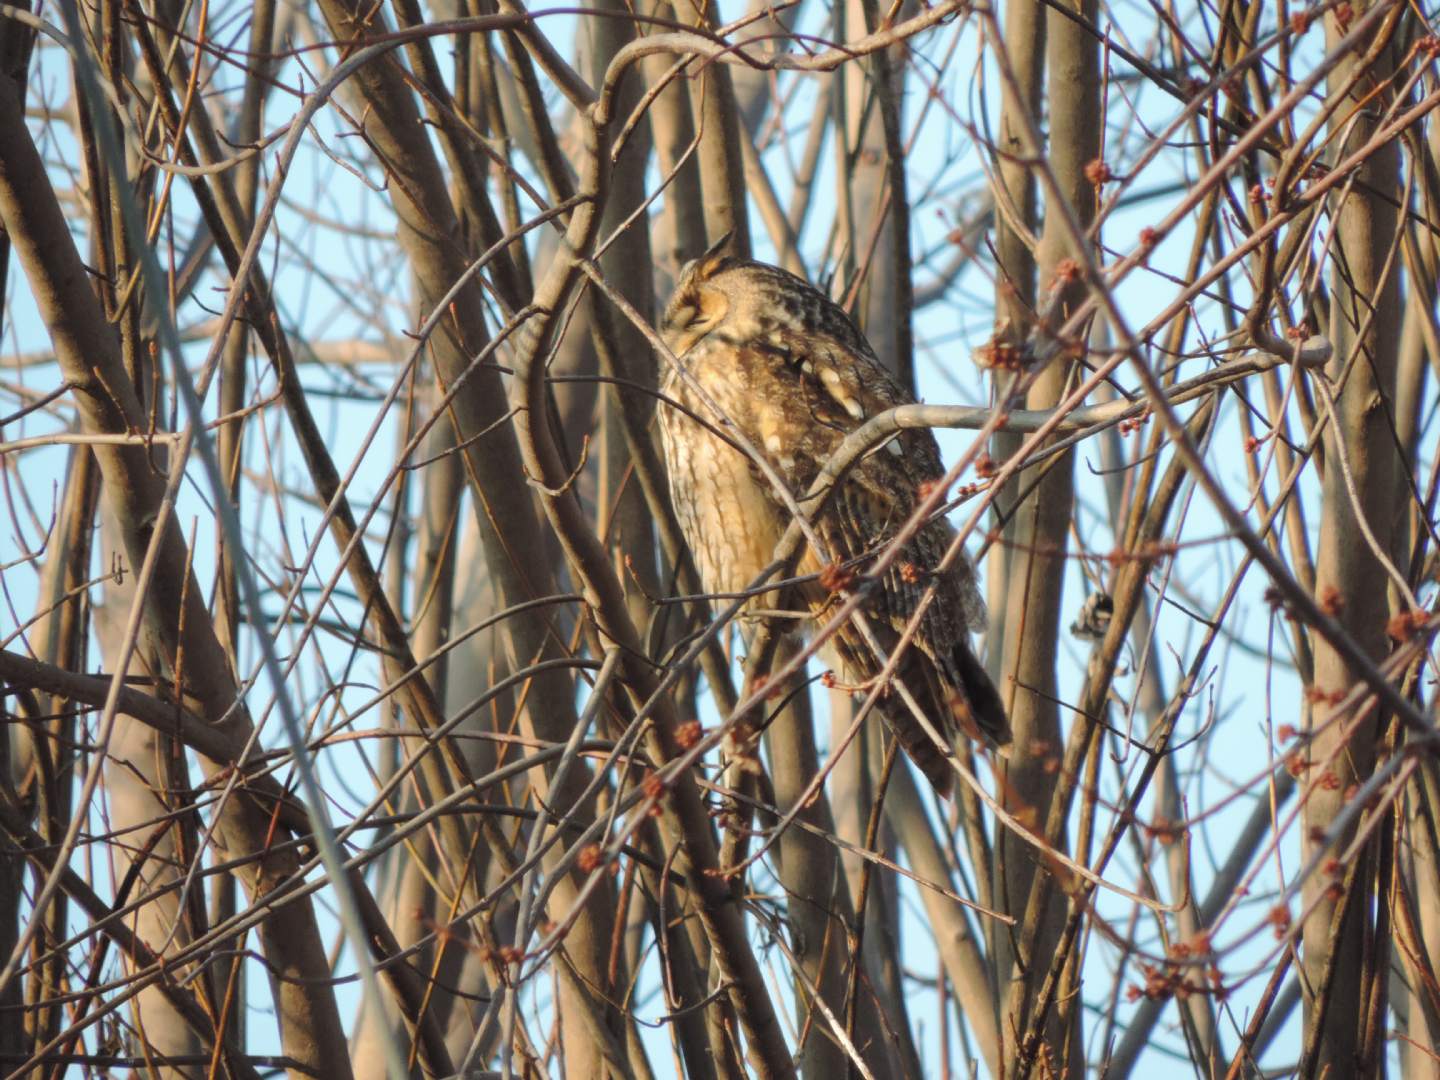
<point x="805" y="394"/>
<point x="808" y="393"/>
<point x="833" y="386"/>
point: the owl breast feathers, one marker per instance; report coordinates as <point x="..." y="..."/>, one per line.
<point x="773" y="360"/>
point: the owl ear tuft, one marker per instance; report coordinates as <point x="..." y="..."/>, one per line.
<point x="716" y="254"/>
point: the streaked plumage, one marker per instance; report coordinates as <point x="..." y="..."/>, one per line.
<point x="788" y="370"/>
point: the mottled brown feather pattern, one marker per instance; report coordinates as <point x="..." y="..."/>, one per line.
<point x="786" y="368"/>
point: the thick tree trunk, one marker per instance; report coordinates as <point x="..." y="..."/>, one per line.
<point x="1358" y="514"/>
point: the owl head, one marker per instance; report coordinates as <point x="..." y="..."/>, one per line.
<point x="720" y="297"/>
<point x="701" y="300"/>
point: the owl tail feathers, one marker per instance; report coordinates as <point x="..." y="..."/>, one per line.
<point x="920" y="748"/>
<point x="956" y="697"/>
<point x="959" y="700"/>
<point x="976" y="703"/>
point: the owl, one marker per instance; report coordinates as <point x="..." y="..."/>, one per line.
<point x="787" y="369"/>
